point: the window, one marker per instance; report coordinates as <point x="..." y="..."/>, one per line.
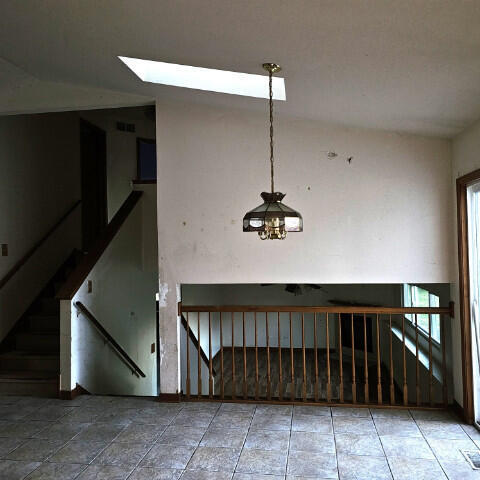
<point x="146" y="160"/>
<point x="414" y="296"/>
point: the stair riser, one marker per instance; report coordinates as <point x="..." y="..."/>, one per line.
<point x="36" y="364"/>
<point x="38" y="389"/>
<point x="38" y="343"/>
<point x="49" y="306"/>
<point x="44" y="323"/>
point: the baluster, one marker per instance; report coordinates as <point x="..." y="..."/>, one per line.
<point x="365" y="356"/>
<point x="315" y="355"/>
<point x="188" y="358"/>
<point x="354" y="378"/>
<point x="222" y="380"/>
<point x="444" y="361"/>
<point x="379" y="367"/>
<point x="280" y="378"/>
<point x="210" y="368"/>
<point x="405" y="386"/>
<point x="392" y="384"/>
<point x="234" y="388"/>
<point x="199" y="369"/>
<point x="341" y="356"/>
<point x="244" y="359"/>
<point x="256" y="358"/>
<point x="292" y="369"/>
<point x="327" y="339"/>
<point x="304" y="387"/>
<point x="269" y="393"/>
<point x="430" y="362"/>
<point x="417" y="364"/>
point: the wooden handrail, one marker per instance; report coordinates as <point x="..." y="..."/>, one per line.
<point x="78" y="276"/>
<point x="194" y="340"/>
<point x="37" y="245"/>
<point x="316" y="309"/>
<point x="123" y="354"/>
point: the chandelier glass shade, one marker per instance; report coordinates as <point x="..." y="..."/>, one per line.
<point x="272" y="219"/>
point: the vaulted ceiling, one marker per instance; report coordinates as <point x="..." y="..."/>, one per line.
<point x="408" y="66"/>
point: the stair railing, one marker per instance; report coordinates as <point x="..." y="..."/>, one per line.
<point x="356" y="355"/>
<point x="20" y="263"/>
<point x="118" y="349"/>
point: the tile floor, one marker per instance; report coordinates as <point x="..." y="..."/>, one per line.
<point x="116" y="438"/>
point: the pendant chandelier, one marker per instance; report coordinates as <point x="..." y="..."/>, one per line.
<point x="272" y="219"/>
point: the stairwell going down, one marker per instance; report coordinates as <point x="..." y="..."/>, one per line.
<point x="30" y="354"/>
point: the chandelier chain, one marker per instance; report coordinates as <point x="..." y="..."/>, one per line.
<point x="271" y="129"/>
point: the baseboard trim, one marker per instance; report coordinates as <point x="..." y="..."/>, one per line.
<point x="169" y="397"/>
<point x="458" y="409"/>
<point x="72" y="394"/>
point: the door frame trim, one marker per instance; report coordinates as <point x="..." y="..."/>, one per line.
<point x="464" y="287"/>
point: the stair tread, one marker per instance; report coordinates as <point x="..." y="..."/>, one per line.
<point x="25" y="354"/>
<point x="28" y="375"/>
<point x="50" y="333"/>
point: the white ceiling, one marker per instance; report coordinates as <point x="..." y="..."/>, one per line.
<point x="403" y="65"/>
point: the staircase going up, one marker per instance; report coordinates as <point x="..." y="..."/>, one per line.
<point x="30" y="354"/>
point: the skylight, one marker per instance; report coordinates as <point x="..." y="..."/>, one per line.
<point x="209" y="79"/>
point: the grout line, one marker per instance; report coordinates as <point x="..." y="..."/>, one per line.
<point x="334" y="441"/>
<point x="289" y="439"/>
<point x="244" y="441"/>
<point x="429" y="446"/>
<point x="381" y="444"/>
<point x="154" y="443"/>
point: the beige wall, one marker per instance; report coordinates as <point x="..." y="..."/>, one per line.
<point x="384" y="218"/>
<point x="465" y="159"/>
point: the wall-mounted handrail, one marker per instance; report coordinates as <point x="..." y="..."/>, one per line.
<point x="78" y="276"/>
<point x="37" y="245"/>
<point x="194" y="340"/>
<point x="122" y="353"/>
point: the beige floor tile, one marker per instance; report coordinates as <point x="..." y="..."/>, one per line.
<point x="78" y="452"/>
<point x="353" y="444"/>
<point x="313" y="442"/>
<point x="267" y="440"/>
<point x="105" y="472"/>
<point x="308" y="423"/>
<point x="179" y="435"/>
<point x="141" y="473"/>
<point x="395" y="413"/>
<point x="168" y="456"/>
<point x="308" y="464"/>
<point x="56" y="471"/>
<point x="271" y="462"/>
<point x="127" y="454"/>
<point x="356" y="425"/>
<point x="139" y="433"/>
<point x="222" y="437"/>
<point x="350" y="412"/>
<point x="355" y="467"/>
<point x="411" y="447"/>
<point x="404" y="467"/>
<point x="400" y="428"/>
<point x="214" y="459"/>
<point x="12" y="470"/>
<point x="36" y="450"/>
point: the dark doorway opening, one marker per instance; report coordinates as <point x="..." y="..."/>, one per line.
<point x="93" y="157"/>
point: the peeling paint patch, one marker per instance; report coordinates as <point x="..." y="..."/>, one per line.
<point x="162" y="294"/>
<point x="161" y="351"/>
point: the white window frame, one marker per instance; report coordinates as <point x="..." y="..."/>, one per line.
<point x="408" y="296"/>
